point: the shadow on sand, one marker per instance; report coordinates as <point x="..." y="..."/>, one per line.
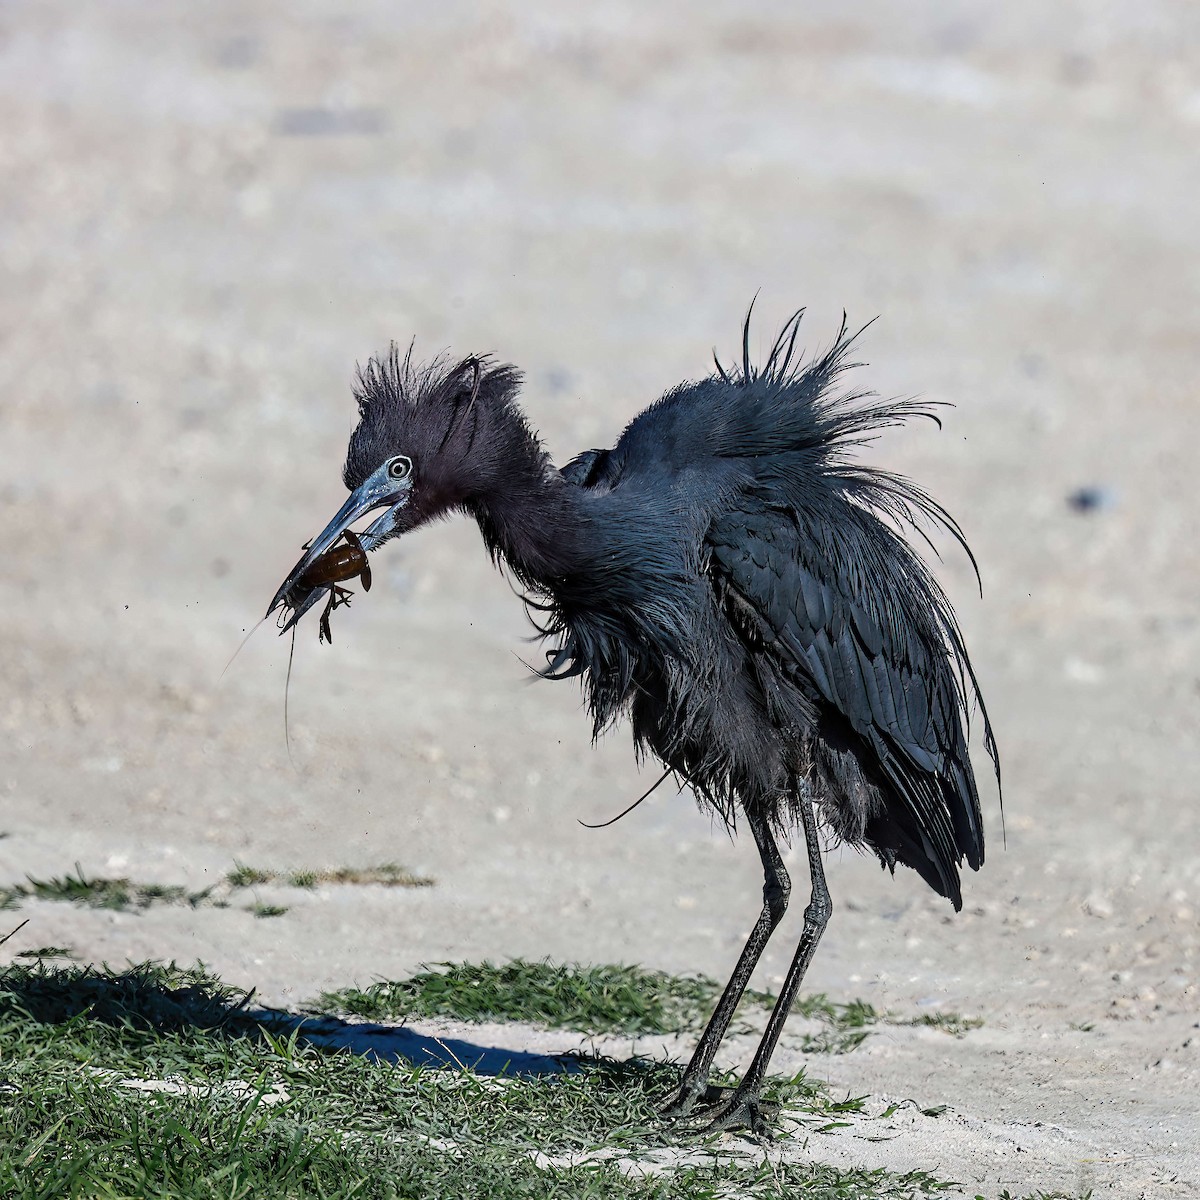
<point x="165" y="1000"/>
<point x="398" y="1043"/>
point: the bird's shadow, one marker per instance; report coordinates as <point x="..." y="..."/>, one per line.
<point x="143" y="999"/>
<point x="400" y="1044"/>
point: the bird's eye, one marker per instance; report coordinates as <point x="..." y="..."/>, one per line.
<point x="400" y="467"/>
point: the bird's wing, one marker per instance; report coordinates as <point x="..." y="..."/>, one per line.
<point x="847" y="607"/>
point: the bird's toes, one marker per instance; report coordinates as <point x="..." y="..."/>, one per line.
<point x="679" y="1105"/>
<point x="687" y="1098"/>
<point x="742" y="1111"/>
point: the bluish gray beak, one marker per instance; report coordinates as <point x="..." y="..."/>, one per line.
<point x="380" y="490"/>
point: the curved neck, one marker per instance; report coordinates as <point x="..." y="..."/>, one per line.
<point x="527" y="513"/>
<point x="533" y="528"/>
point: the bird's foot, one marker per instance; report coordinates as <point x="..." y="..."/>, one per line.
<point x="745" y="1109"/>
<point x="736" y="1108"/>
<point x="686" y="1099"/>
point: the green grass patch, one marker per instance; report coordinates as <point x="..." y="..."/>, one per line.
<point x="96" y="892"/>
<point x="1039" y="1195"/>
<point x="160" y="1082"/>
<point x="157" y="1082"/>
<point x="386" y="874"/>
<point x="124" y="895"/>
<point x="48" y="952"/>
<point x="152" y="996"/>
<point x="604" y="999"/>
<point x="947" y="1022"/>
<point x="847" y="1025"/>
<point x="243" y="876"/>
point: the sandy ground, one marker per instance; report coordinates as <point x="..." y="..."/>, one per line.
<point x="209" y="213"/>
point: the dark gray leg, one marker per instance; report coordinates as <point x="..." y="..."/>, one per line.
<point x="743" y="1109"/>
<point x="777" y="887"/>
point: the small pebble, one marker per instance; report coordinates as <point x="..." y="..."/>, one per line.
<point x="1092" y="498"/>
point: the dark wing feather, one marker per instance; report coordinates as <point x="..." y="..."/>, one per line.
<point x="859" y="623"/>
<point x="594" y="469"/>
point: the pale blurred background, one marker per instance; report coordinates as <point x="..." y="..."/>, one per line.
<point x="210" y="212"/>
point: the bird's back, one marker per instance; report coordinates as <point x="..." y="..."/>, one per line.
<point x="777" y="628"/>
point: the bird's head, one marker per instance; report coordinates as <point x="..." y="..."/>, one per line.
<point x="430" y="438"/>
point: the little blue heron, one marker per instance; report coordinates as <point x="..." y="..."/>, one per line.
<point x="732" y="582"/>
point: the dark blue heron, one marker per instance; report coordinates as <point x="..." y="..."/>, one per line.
<point x="732" y="582"/>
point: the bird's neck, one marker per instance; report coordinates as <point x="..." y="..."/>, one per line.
<point x="528" y="518"/>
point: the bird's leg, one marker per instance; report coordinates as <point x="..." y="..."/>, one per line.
<point x="743" y="1109"/>
<point x="777" y="887"/>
